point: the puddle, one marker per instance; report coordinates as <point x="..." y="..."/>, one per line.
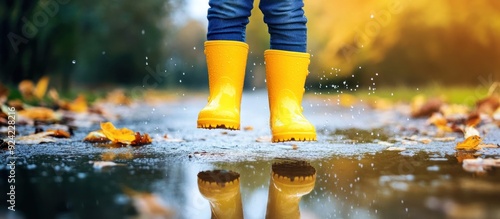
<point x="355" y="135"/>
<point x="381" y="185"/>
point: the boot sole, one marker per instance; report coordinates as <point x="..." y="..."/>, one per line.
<point x="218" y="124"/>
<point x="294" y="137"/>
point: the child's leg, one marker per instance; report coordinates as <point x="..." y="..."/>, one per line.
<point x="287" y="69"/>
<point x="287" y="24"/>
<point x="226" y="55"/>
<point x="227" y="19"/>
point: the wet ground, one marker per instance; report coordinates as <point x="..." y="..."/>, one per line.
<point x="356" y="176"/>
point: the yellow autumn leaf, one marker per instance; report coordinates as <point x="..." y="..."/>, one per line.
<point x="123" y="135"/>
<point x="79" y="105"/>
<point x="39" y="113"/>
<point x="41" y="87"/>
<point x="469" y="143"/>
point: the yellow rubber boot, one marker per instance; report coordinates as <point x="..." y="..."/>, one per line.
<point x="286" y="74"/>
<point x="222" y="190"/>
<point x="290" y="181"/>
<point x="226" y="62"/>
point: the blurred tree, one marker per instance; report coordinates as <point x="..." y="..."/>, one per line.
<point x="96" y="42"/>
<point x="406" y="42"/>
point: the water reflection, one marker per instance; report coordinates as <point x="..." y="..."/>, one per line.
<point x="289" y="181"/>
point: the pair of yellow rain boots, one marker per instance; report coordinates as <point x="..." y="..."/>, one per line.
<point x="286" y="74"/>
<point x="290" y="181"/>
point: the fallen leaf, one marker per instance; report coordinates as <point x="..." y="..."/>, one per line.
<point x="102" y="164"/>
<point x="96" y="137"/>
<point x="123" y="135"/>
<point x="420" y="107"/>
<point x="469" y="143"/>
<point x="41" y="87"/>
<point x="440" y="122"/>
<point x="54" y="95"/>
<point x="39" y="113"/>
<point x="26" y="87"/>
<point x="149" y="205"/>
<point x="473" y="119"/>
<point x="488" y="105"/>
<point x="141" y="139"/>
<point x="79" y="105"/>
<point x="248" y="128"/>
<point x="42" y="137"/>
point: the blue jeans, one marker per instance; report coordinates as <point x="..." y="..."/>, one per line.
<point x="227" y="20"/>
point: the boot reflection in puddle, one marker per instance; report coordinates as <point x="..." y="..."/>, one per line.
<point x="290" y="180"/>
<point x="222" y="189"/>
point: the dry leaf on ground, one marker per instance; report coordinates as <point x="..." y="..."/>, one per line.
<point x="469" y="143"/>
<point x="123" y="135"/>
<point x="420" y="107"/>
<point x="42" y="137"/>
<point x="39" y="113"/>
<point x="141" y="139"/>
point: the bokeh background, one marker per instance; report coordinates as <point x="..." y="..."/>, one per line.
<point x="159" y="43"/>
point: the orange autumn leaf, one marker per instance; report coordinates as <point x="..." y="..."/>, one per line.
<point x="141" y="139"/>
<point x="469" y="143"/>
<point x="440" y="122"/>
<point x="26" y="87"/>
<point x="473" y="119"/>
<point x="39" y="113"/>
<point x="41" y="87"/>
<point x="123" y="135"/>
<point x="79" y="104"/>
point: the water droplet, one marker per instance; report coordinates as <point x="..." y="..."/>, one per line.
<point x="253" y="88"/>
<point x="143" y="32"/>
<point x="146" y="63"/>
<point x="103" y="52"/>
<point x="146" y="58"/>
<point x="194" y="47"/>
<point x="74" y="61"/>
<point x="180" y="81"/>
<point x="359" y="67"/>
<point x="372" y="16"/>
